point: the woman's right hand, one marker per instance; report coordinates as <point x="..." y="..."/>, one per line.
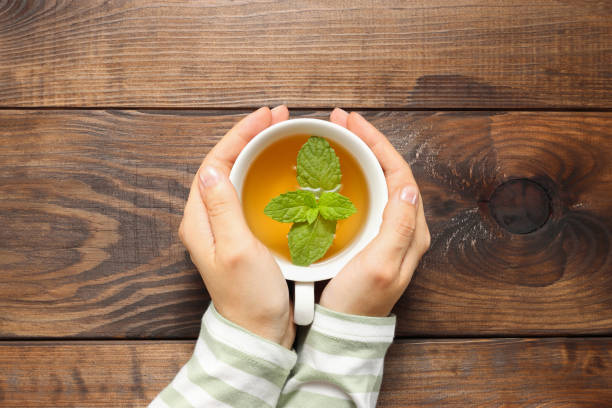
<point x="242" y="277"/>
<point x="373" y="281"/>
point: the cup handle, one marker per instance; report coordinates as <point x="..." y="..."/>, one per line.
<point x="303" y="311"/>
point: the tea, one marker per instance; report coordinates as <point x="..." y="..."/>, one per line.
<point x="273" y="172"/>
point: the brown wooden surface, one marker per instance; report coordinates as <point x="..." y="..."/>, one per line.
<point x="434" y="54"/>
<point x="90" y="203"/>
<point x="450" y="373"/>
<point x="518" y="202"/>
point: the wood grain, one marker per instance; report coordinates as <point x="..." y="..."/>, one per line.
<point x="89" y="373"/>
<point x="478" y="278"/>
<point x="453" y="373"/>
<point x="418" y="54"/>
<point x="90" y="203"/>
<point x="559" y="373"/>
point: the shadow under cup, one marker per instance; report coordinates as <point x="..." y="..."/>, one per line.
<point x="305" y="276"/>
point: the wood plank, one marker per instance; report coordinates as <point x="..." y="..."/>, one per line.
<point x="88" y="374"/>
<point x="90" y="203"/>
<point x="423" y="54"/>
<point x="554" y="372"/>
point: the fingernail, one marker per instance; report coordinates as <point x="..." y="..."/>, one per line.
<point x="209" y="176"/>
<point x="263" y="108"/>
<point x="279" y="107"/>
<point x="359" y="115"/>
<point x="340" y="110"/>
<point x="409" y="193"/>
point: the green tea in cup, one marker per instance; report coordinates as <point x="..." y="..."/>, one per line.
<point x="336" y="209"/>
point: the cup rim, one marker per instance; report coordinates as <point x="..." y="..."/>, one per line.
<point x="377" y="188"/>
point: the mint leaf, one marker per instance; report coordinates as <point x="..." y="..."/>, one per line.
<point x="294" y="206"/>
<point x="309" y="242"/>
<point x="317" y="165"/>
<point x="334" y="206"/>
<point x="311" y="215"/>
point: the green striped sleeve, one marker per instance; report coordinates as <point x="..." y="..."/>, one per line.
<point x="369" y="320"/>
<point x="351" y="348"/>
<point x="173" y="398"/>
<point x="220" y="390"/>
<point x="340" y="361"/>
<point x="352" y="382"/>
<point x="243" y="361"/>
<point x="305" y="399"/>
<point x="230" y="368"/>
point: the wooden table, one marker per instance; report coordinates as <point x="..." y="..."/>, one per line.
<point x="503" y="109"/>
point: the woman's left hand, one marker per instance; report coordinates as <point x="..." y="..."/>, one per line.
<point x="376" y="277"/>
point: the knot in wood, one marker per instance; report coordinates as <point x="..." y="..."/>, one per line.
<point x="520" y="206"/>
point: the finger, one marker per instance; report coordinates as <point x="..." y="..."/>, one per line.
<point x="397" y="172"/>
<point x="224" y="154"/>
<point x="195" y="228"/>
<point x="419" y="246"/>
<point x="390" y="160"/>
<point x="279" y="114"/>
<point x="399" y="224"/>
<point x="339" y="117"/>
<point x="225" y="214"/>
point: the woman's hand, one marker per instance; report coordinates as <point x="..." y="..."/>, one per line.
<point x="243" y="279"/>
<point x="373" y="281"/>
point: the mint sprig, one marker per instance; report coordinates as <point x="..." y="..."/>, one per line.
<point x="315" y="209"/>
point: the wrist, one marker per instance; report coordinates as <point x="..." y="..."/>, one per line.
<point x="362" y="308"/>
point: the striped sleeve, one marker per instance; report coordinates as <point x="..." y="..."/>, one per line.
<point x="230" y="367"/>
<point x="340" y="361"/>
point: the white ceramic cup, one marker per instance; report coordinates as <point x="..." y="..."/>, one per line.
<point x="305" y="276"/>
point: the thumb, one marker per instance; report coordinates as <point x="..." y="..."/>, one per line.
<point x="227" y="221"/>
<point x="399" y="223"/>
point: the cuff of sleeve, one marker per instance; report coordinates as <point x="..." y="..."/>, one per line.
<point x="354" y="327"/>
<point x="247" y="342"/>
